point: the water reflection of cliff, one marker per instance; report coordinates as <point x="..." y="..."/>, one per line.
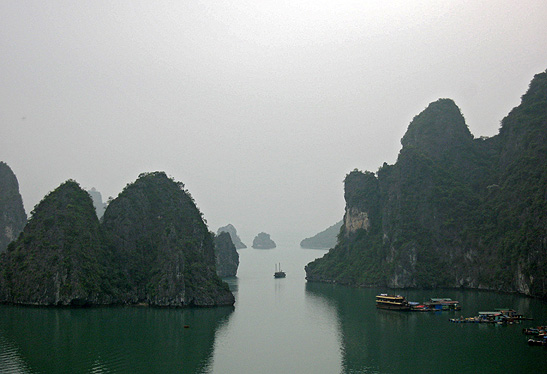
<point x="137" y="340"/>
<point x="358" y="331"/>
<point x="382" y="341"/>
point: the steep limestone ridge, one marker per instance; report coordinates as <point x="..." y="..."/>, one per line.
<point x="230" y="229"/>
<point x="518" y="199"/>
<point x="12" y="213"/>
<point x="166" y="251"/>
<point x="453" y="211"/>
<point x="59" y="259"/>
<point x="438" y="129"/>
<point x="227" y="258"/>
<point x="325" y="239"/>
<point x="263" y="241"/>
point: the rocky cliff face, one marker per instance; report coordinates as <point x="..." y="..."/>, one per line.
<point x="453" y="211"/>
<point x="59" y="258"/>
<point x="166" y="251"/>
<point x="263" y="241"/>
<point x="230" y="229"/>
<point x="227" y="258"/>
<point x="12" y="213"/>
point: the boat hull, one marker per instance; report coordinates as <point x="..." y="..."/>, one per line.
<point x="537" y="342"/>
<point x="393" y="307"/>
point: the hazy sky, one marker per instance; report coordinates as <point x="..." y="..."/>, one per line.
<point x="260" y="107"/>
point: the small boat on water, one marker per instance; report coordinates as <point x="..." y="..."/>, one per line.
<point x="500" y="316"/>
<point x="483" y="317"/>
<point x="542" y="342"/>
<point x="278" y="272"/>
<point x="531" y="331"/>
<point x="539" y="331"/>
<point x="512" y="316"/>
<point x="419" y="307"/>
<point x="392" y="302"/>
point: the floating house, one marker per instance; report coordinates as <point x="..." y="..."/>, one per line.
<point x="443" y="304"/>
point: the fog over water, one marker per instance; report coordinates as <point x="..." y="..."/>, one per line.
<point x="260" y="108"/>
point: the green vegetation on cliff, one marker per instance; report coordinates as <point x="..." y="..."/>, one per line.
<point x="59" y="259"/>
<point x="453" y="211"/>
<point x="164" y="247"/>
<point x="153" y="247"/>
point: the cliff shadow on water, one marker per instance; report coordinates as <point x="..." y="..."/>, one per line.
<point x="382" y="341"/>
<point x="109" y="339"/>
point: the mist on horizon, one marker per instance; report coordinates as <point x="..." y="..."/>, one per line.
<point x="259" y="109"/>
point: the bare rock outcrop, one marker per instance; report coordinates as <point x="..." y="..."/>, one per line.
<point x="12" y="213"/>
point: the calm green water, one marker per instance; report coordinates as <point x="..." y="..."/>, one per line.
<point x="277" y="326"/>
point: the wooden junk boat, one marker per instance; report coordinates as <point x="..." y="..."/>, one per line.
<point x="392" y="302"/>
<point x="278" y="272"/>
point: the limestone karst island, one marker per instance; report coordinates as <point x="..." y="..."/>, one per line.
<point x="454" y="210"/>
<point x="152" y="247"/>
<point x="263" y="241"/>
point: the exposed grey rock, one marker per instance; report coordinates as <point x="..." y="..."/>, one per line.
<point x="12" y="213"/>
<point x="227" y="258"/>
<point x="230" y="229"/>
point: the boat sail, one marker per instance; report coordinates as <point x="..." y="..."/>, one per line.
<point x="278" y="272"/>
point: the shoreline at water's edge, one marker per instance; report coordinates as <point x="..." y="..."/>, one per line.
<point x="115" y="305"/>
<point x="355" y="285"/>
